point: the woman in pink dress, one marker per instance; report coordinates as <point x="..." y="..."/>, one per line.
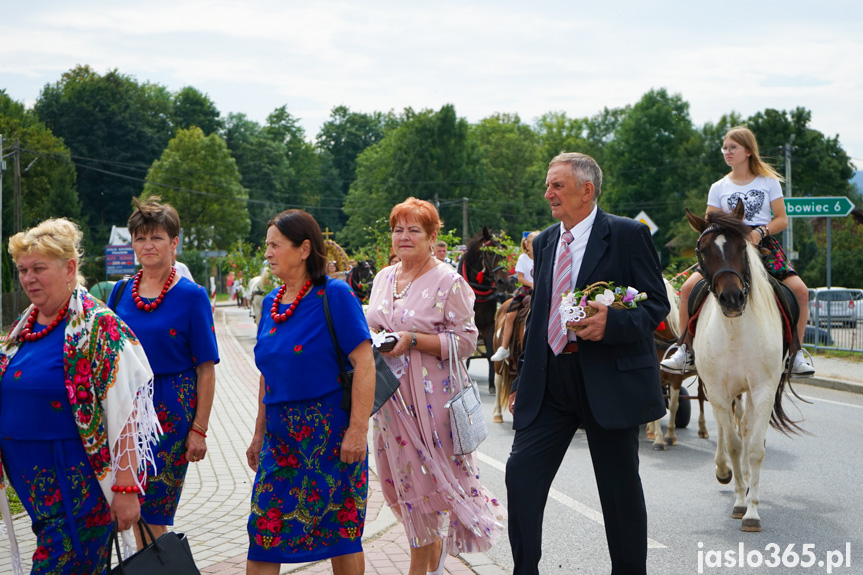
<point x="437" y="495"/>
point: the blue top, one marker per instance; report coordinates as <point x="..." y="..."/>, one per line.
<point x="34" y="404"/>
<point x="297" y="357"/>
<point x="177" y="336"/>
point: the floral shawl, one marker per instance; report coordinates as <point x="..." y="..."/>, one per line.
<point x="109" y="384"/>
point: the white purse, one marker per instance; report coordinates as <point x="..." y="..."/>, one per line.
<point x="466" y="419"/>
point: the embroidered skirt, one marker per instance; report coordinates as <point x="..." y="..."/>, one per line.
<point x="69" y="513"/>
<point x="774" y="259"/>
<point x="306" y="504"/>
<point x="175" y="398"/>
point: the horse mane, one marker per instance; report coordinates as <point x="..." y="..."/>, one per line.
<point x="728" y="222"/>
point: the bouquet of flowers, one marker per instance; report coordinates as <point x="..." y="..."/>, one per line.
<point x="573" y="305"/>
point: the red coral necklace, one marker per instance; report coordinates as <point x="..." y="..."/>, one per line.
<point x="27" y="331"/>
<point x="283" y="317"/>
<point x="151" y="306"/>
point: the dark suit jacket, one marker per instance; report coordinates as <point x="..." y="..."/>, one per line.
<point x="621" y="372"/>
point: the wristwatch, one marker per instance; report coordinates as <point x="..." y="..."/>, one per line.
<point x="413" y="340"/>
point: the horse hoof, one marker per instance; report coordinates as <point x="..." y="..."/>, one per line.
<point x="673" y="442"/>
<point x="751" y="526"/>
<point x="738" y="512"/>
<point x="725" y="480"/>
<point x="703" y="435"/>
<point x="497" y="419"/>
<point x="659" y="447"/>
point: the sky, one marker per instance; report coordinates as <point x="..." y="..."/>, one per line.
<point x="527" y="58"/>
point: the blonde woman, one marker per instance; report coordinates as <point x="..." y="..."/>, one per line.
<point x="757" y="185"/>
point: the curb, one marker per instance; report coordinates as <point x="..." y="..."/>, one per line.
<point x="831" y="383"/>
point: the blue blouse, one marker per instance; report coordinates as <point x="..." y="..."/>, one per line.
<point x="180" y="334"/>
<point x="34" y="404"/>
<point x="297" y="357"/>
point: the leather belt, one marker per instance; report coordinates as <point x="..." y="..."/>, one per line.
<point x="571" y="347"/>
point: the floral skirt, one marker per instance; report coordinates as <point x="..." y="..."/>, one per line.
<point x="175" y="398"/>
<point x="306" y="504"/>
<point x="69" y="513"/>
<point x="774" y="259"/>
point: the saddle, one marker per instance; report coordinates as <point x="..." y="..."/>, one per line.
<point x="789" y="307"/>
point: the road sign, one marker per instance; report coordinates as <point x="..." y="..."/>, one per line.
<point x="119" y="260"/>
<point x="645" y="219"/>
<point x="818" y="207"/>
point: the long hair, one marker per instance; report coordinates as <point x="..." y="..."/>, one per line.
<point x="744" y="137"/>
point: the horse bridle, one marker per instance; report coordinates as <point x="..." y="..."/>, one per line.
<point x="482" y="295"/>
<point x="744" y="277"/>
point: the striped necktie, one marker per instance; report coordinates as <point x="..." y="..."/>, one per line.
<point x="562" y="273"/>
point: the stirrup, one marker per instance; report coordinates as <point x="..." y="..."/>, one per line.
<point x="808" y="360"/>
<point x="688" y="360"/>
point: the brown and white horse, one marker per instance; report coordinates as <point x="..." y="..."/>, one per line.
<point x="739" y="350"/>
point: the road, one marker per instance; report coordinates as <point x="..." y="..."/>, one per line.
<point x="811" y="493"/>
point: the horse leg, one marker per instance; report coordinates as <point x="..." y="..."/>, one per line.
<point x="659" y="443"/>
<point x="754" y="425"/>
<point x="730" y="442"/>
<point x="497" y="413"/>
<point x="673" y="405"/>
<point x="489" y="351"/>
<point x="702" y="423"/>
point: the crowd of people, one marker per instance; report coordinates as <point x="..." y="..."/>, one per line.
<point x="104" y="407"/>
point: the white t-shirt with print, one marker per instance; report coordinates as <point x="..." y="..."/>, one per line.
<point x="525" y="266"/>
<point x="756" y="196"/>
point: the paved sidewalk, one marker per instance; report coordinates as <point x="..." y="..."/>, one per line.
<point x="215" y="504"/>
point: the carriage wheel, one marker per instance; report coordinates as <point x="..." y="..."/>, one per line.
<point x="684" y="409"/>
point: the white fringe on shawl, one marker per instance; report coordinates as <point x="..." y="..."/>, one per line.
<point x="127" y="407"/>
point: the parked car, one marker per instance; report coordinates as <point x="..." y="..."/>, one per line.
<point x="822" y="335"/>
<point x="835" y="305"/>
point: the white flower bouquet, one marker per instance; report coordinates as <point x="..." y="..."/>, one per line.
<point x="574" y="308"/>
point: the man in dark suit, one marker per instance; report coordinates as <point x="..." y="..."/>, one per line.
<point x="605" y="381"/>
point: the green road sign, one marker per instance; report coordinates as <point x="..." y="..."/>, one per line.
<point x="818" y="207"/>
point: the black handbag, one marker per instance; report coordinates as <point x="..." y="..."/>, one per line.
<point x="167" y="555"/>
<point x="386" y="383"/>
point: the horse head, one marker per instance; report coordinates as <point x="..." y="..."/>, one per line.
<point x="722" y="256"/>
<point x="361" y="277"/>
<point x="483" y="267"/>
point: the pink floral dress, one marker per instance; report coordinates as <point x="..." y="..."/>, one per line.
<point x="434" y="493"/>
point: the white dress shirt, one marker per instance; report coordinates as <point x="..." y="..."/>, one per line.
<point x="580" y="234"/>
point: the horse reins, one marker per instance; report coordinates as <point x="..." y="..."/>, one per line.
<point x="744" y="277"/>
<point x="482" y="295"/>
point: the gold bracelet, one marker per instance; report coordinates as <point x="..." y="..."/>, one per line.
<point x="203" y="429"/>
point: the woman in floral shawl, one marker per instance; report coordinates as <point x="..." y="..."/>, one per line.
<point x="76" y="412"/>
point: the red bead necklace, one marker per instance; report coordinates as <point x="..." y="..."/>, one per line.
<point x="154" y="304"/>
<point x="27" y="331"/>
<point x="283" y="317"/>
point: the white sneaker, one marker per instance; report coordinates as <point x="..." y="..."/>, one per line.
<point x="501" y="354"/>
<point x="680" y="361"/>
<point x="801" y="367"/>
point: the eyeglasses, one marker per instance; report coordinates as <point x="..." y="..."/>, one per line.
<point x="730" y="149"/>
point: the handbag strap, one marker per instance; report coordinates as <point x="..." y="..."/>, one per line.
<point x="115" y="539"/>
<point x="333" y="332"/>
<point x="454" y="375"/>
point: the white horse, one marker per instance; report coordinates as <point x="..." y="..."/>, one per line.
<point x="739" y="350"/>
<point x="259" y="286"/>
<point x="674" y="383"/>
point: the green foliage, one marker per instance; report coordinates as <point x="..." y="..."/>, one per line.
<point x="846" y="254"/>
<point x="245" y="260"/>
<point x="197" y="175"/>
<point x="111" y="123"/>
<point x="192" y="108"/>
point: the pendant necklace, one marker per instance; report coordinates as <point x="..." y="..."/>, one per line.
<point x="400" y="295"/>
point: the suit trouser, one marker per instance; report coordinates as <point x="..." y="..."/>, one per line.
<point x="537" y="453"/>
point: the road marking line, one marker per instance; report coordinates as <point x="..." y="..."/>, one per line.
<point x="565" y="499"/>
<point x="830" y="401"/>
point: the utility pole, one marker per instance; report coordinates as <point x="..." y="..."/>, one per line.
<point x="464" y="236"/>
<point x="788" y="234"/>
<point x="17" y="190"/>
<point x="2" y="250"/>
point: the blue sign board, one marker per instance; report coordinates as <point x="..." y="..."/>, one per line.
<point x="119" y="260"/>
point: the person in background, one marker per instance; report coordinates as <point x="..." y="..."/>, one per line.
<point x="174" y="321"/>
<point x="436" y="494"/>
<point x="309" y="454"/>
<point x="183" y="270"/>
<point x="77" y="422"/>
<point x="394" y="259"/>
<point x="440" y="252"/>
<point x="757" y="185"/>
<point x="524" y="269"/>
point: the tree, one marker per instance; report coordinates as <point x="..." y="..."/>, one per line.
<point x="197" y="175"/>
<point x="114" y="128"/>
<point x="654" y="160"/>
<point x="192" y="108"/>
<point x="428" y="156"/>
